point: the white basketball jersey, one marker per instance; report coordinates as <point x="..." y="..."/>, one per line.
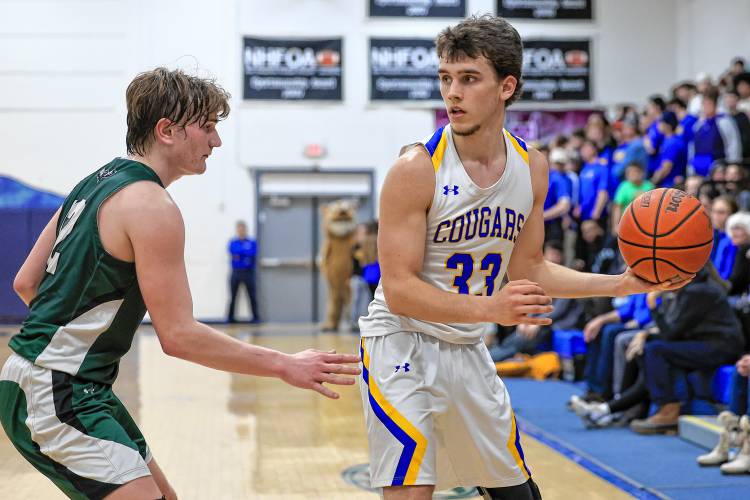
<point x="471" y="232"/>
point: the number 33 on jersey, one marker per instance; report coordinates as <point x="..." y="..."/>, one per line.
<point x="471" y="233"/>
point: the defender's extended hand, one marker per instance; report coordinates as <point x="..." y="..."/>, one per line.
<point x="311" y="368"/>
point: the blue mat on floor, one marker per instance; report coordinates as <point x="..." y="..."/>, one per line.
<point x="648" y="467"/>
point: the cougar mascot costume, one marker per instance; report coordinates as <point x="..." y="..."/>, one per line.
<point x="340" y="221"/>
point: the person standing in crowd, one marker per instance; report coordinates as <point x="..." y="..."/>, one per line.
<point x="243" y="250"/>
<point x="741" y="120"/>
<point x="716" y="136"/>
<point x="593" y="185"/>
<point x="557" y="204"/>
<point x="653" y="138"/>
<point x="361" y="296"/>
<point x="672" y="162"/>
<point x="703" y="84"/>
<point x="742" y="86"/>
<point x="686" y="120"/>
<point x="630" y="150"/>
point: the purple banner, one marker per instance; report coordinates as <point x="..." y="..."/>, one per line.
<point x="540" y="126"/>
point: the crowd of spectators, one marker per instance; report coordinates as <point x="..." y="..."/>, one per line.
<point x="696" y="139"/>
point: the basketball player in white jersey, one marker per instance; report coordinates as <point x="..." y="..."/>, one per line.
<point x="457" y="212"/>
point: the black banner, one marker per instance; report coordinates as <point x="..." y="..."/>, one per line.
<point x="417" y="8"/>
<point x="284" y="69"/>
<point x="403" y="69"/>
<point x="545" y="9"/>
<point x="556" y="70"/>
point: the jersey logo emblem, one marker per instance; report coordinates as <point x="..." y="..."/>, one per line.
<point x="104" y="173"/>
<point x="447" y="190"/>
<point x="405" y="366"/>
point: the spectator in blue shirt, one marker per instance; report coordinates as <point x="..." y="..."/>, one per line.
<point x="629" y="151"/>
<point x="716" y="137"/>
<point x="593" y="181"/>
<point x="243" y="250"/>
<point x="672" y="156"/>
<point x="557" y="203"/>
<point x="654" y="138"/>
<point x="686" y="121"/>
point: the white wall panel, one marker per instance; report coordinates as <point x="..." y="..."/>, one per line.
<point x="73" y="18"/>
<point x="62" y="55"/>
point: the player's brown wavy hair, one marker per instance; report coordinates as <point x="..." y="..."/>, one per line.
<point x="172" y="94"/>
<point x="489" y="36"/>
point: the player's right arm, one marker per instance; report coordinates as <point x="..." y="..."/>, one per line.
<point x="404" y="202"/>
<point x="153" y="225"/>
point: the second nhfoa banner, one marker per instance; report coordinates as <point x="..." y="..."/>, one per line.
<point x="556" y="70"/>
<point x="292" y="69"/>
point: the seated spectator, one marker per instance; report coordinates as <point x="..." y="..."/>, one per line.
<point x="672" y="163"/>
<point x="738" y="229"/>
<point x="557" y="204"/>
<point x="716" y="137"/>
<point x="595" y="249"/>
<point x="633" y="185"/>
<point x="567" y="314"/>
<point x="707" y="193"/>
<point x="693" y="184"/>
<point x="698" y="330"/>
<point x="599" y="333"/>
<point x="723" y="252"/>
<point x="631" y="398"/>
<point x="735" y="426"/>
<point x="736" y="185"/>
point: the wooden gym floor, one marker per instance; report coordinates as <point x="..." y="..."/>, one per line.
<point x="222" y="436"/>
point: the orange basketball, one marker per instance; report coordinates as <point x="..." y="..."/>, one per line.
<point x="665" y="234"/>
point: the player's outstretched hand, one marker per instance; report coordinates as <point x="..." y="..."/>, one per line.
<point x="312" y="368"/>
<point x="518" y="302"/>
<point x="631" y="284"/>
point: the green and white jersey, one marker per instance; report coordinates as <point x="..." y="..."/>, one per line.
<point x="88" y="305"/>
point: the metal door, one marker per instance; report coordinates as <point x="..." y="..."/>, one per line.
<point x="286" y="258"/>
<point x="289" y="231"/>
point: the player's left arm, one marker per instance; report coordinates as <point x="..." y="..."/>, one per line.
<point x="527" y="261"/>
<point x="32" y="271"/>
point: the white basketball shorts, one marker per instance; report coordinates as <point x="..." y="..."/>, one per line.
<point x="437" y="414"/>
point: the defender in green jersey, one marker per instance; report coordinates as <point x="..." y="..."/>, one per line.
<point x="113" y="251"/>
